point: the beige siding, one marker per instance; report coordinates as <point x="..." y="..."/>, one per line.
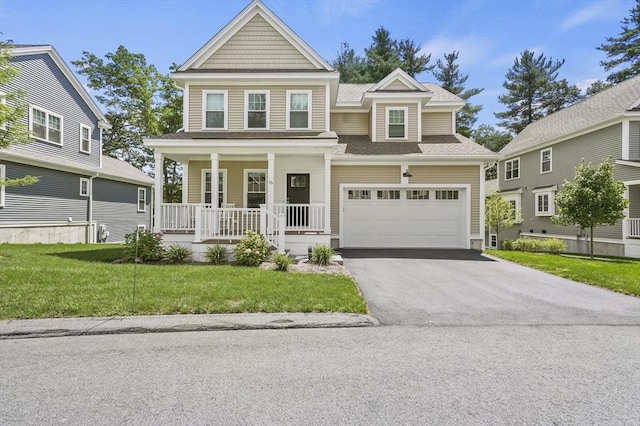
<point x="357" y="174"/>
<point x="257" y="45"/>
<point x="277" y="102"/>
<point x="350" y="123"/>
<point x="436" y="123"/>
<point x="235" y="179"/>
<point x="381" y="121"/>
<point x="397" y="85"/>
<point x="453" y="174"/>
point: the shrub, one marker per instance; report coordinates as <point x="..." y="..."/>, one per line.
<point x="550" y="245"/>
<point x="321" y="254"/>
<point x="282" y="261"/>
<point x="555" y="246"/>
<point x="251" y="249"/>
<point x="216" y="254"/>
<point x="149" y="246"/>
<point x="527" y="244"/>
<point x="177" y="254"/>
<point x="507" y="245"/>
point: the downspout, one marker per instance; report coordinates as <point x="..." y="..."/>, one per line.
<point x="90" y="215"/>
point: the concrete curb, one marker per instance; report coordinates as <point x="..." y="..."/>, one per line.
<point x="58" y="327"/>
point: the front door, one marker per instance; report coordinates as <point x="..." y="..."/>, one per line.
<point x="297" y="193"/>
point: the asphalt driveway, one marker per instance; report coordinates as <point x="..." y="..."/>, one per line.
<point x="461" y="287"/>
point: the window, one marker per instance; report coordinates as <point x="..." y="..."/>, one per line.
<point x="396" y="123"/>
<point x="545" y="160"/>
<point x="257" y="112"/>
<point x="514" y="197"/>
<point x="299" y="109"/>
<point x="256" y="188"/>
<point x="418" y="194"/>
<point x="142" y="199"/>
<point x="512" y="169"/>
<point x="493" y="241"/>
<point x="206" y="186"/>
<point x="215" y="107"/>
<point x="387" y="194"/>
<point x="2" y="187"/>
<point x="45" y="125"/>
<point x="84" y="187"/>
<point x="85" y="139"/>
<point x="446" y="195"/>
<point x="359" y="194"/>
<point x="544" y="200"/>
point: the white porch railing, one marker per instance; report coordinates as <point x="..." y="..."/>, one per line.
<point x="179" y="217"/>
<point x="633" y="228"/>
<point x="302" y="217"/>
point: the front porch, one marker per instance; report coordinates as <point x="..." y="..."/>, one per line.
<point x="631" y="224"/>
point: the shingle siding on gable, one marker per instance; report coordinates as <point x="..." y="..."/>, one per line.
<point x="257" y="45"/>
<point x="115" y="204"/>
<point x="436" y="123"/>
<point x="47" y="87"/>
<point x="397" y="85"/>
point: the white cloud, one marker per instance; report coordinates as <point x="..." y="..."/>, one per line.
<point x="473" y="49"/>
<point x="332" y="10"/>
<point x="583" y="85"/>
<point x="591" y="12"/>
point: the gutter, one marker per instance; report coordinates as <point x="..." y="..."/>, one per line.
<point x="90" y="215"/>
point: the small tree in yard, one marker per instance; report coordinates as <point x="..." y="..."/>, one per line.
<point x="594" y="197"/>
<point x="499" y="214"/>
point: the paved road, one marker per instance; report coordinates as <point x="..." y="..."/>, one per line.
<point x="460" y="287"/>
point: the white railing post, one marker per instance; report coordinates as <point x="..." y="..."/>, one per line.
<point x="198" y="231"/>
<point x="282" y="223"/>
<point x="263" y="219"/>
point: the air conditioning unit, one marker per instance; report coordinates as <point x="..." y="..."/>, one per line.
<point x="103" y="234"/>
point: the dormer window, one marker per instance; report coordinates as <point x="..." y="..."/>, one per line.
<point x="257" y="110"/>
<point x="397" y="123"/>
<point x="215" y="109"/>
<point x="299" y="109"/>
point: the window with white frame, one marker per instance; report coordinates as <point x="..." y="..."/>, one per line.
<point x="359" y="194"/>
<point x="45" y="125"/>
<point x="85" y="188"/>
<point x="397" y="123"/>
<point x="257" y="109"/>
<point x="85" y="139"/>
<point x="545" y="160"/>
<point x="447" y="194"/>
<point x="515" y="199"/>
<point x="2" y="187"/>
<point x="418" y="194"/>
<point x="142" y="199"/>
<point x="256" y="181"/>
<point x="206" y="187"/>
<point x="493" y="241"/>
<point x="388" y="194"/>
<point x="512" y="169"/>
<point x="544" y="201"/>
<point x="214" y="109"/>
<point x="299" y="109"/>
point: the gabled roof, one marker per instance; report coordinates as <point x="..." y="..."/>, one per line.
<point x="34" y="49"/>
<point x="353" y="93"/>
<point x="603" y="108"/>
<point x="256" y="7"/>
<point x="403" y="77"/>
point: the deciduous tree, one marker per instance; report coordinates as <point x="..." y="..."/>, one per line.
<point x="499" y="214"/>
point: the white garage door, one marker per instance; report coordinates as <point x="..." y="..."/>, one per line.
<point x="394" y="218"/>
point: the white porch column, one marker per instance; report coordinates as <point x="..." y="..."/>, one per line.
<point x="157" y="199"/>
<point x="327" y="194"/>
<point x="185" y="183"/>
<point x="271" y="193"/>
<point x="625" y="221"/>
<point x="215" y="171"/>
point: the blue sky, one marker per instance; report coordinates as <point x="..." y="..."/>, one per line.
<point x="489" y="34"/>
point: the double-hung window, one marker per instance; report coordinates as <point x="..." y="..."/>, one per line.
<point x="142" y="199"/>
<point x="85" y="187"/>
<point x="256" y="181"/>
<point x="85" y="139"/>
<point x="299" y="109"/>
<point x="214" y="109"/>
<point x="257" y="110"/>
<point x="545" y="160"/>
<point x="512" y="169"/>
<point x="45" y="125"/>
<point x="397" y="123"/>
<point x="544" y="200"/>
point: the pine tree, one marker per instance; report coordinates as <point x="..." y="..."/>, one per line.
<point x="411" y="61"/>
<point x="352" y="68"/>
<point x="624" y="49"/>
<point x="382" y="55"/>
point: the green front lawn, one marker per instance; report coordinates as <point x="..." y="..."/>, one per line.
<point x="46" y="281"/>
<point x="616" y="274"/>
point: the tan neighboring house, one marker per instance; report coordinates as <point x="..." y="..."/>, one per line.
<point x="538" y="160"/>
<point x="306" y="160"/>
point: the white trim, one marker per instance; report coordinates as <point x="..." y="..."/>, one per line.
<point x="542" y="151"/>
<point x="327" y="193"/>
<point x="327" y="107"/>
<point x="405" y="111"/>
<point x="3" y="170"/>
<point x="140" y="189"/>
<point x="90" y="130"/>
<point x="374" y="122"/>
<point x="404" y="78"/>
<point x="185" y="182"/>
<point x="88" y="188"/>
<point x="419" y="115"/>
<point x="625" y="138"/>
<point x="100" y="146"/>
<point x="267" y="108"/>
<point x="549" y="192"/>
<point x="225" y="100"/>
<point x="246" y="184"/>
<point x="185" y="107"/>
<point x="572" y="237"/>
<point x="516" y="197"/>
<point x="491" y="238"/>
<point x="203" y="178"/>
<point x="632" y="182"/>
<point x="482" y="207"/>
<point x="628" y="163"/>
<point x="158" y="158"/>
<point x="511" y="160"/>
<point x="48" y="113"/>
<point x="309" y="94"/>
<point x="453" y="122"/>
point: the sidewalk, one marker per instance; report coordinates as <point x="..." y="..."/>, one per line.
<point x="57" y="327"/>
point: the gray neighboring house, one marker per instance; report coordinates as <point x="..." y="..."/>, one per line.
<point x="536" y="162"/>
<point x="82" y="196"/>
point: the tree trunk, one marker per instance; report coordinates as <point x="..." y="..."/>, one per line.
<point x="591" y="242"/>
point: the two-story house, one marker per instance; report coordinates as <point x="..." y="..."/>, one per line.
<point x="538" y="160"/>
<point x="81" y="195"/>
<point x="272" y="141"/>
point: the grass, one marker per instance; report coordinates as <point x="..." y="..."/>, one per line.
<point x="620" y="275"/>
<point x="77" y="280"/>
